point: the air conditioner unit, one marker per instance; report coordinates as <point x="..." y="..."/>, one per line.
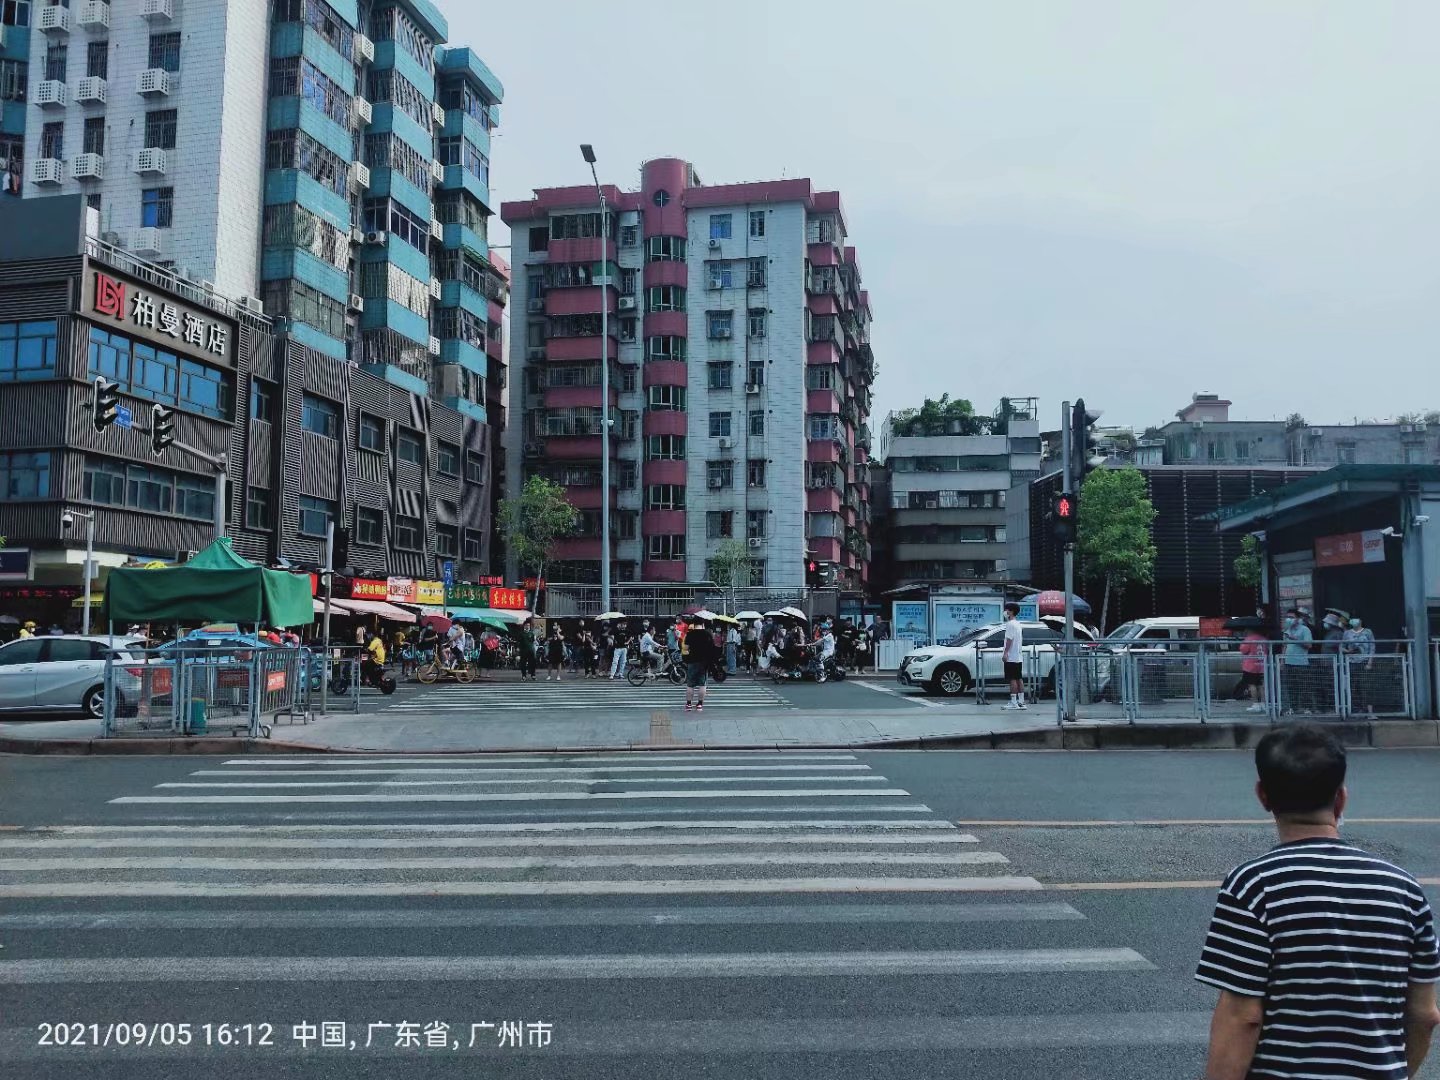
<point x="437" y="113"/>
<point x="87" y="167"/>
<point x="47" y="171"/>
<point x="91" y="90"/>
<point x="535" y="352"/>
<point x="756" y="541"/>
<point x="434" y="346"/>
<point x="364" y="111"/>
<point x="724" y="444"/>
<point x="51" y="93"/>
<point x="151" y="159"/>
<point x="817" y="485"/>
<point x="716" y="483"/>
<point x="364" y="48"/>
<point x="207" y="286"/>
<point x="435" y="288"/>
<point x="253" y="304"/>
<point x="95" y="14"/>
<point x="148" y="240"/>
<point x="153" y="81"/>
<point x="627" y="303"/>
<point x="357" y="236"/>
<point x="752" y="388"/>
<point x="375" y="236"/>
<point x="54" y="19"/>
<point x="535" y="305"/>
<point x="357" y="302"/>
<point x="157" y="9"/>
<point x="437" y="170"/>
<point x="437" y="229"/>
<point x="722" y="331"/>
<point x="714" y="244"/>
<point x="360" y="173"/>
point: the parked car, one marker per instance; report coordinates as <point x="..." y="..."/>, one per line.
<point x="954" y="669"/>
<point x="1162" y="633"/>
<point x="65" y="674"/>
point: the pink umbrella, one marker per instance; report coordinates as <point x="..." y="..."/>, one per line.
<point x="1052" y="602"/>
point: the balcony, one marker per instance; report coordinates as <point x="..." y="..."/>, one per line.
<point x="153" y="82"/>
<point x="54" y="20"/>
<point x="51" y="93"/>
<point x="661" y="522"/>
<point x="90" y="90"/>
<point x="94" y="15"/>
<point x="665" y="422"/>
<point x="88" y="167"/>
<point x="157" y="10"/>
<point x="47" y="171"/>
<point x="364" y="111"/>
<point x="151" y="161"/>
<point x="581" y="301"/>
<point x="666" y="373"/>
<point x="588" y="497"/>
<point x="665" y="472"/>
<point x="586" y="249"/>
<point x="148" y="240"/>
<point x="823" y="500"/>
<point x="822" y="450"/>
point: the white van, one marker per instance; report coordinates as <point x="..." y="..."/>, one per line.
<point x="1163" y="633"/>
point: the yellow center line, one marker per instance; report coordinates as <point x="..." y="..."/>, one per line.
<point x="1112" y="823"/>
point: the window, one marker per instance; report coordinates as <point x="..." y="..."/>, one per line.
<point x="386" y="24"/>
<point x="666" y="249"/>
<point x="104" y="481"/>
<point x="757" y="223"/>
<point x="755" y="373"/>
<point x="372" y="433"/>
<point x="409" y="447"/>
<point x="380" y="215"/>
<point x="626" y="475"/>
<point x="757" y="422"/>
<point x="15" y="13"/>
<point x="665" y="497"/>
<point x="755" y="472"/>
<point x="719" y="376"/>
<point x="306" y="305"/>
<point x="1242" y="449"/>
<point x="629" y="235"/>
<point x="386" y="151"/>
<point x="369" y="526"/>
<point x="720" y="275"/>
<point x="666" y="298"/>
<point x="719" y="226"/>
<point x="474" y="545"/>
<point x="719" y="524"/>
<point x="824" y="426"/>
<point x="1344" y="453"/>
<point x="92" y="200"/>
<point x="156" y="207"/>
<point x="664" y="398"/>
<point x="755" y="274"/>
<point x="627" y="281"/>
<point x="52" y="139"/>
<point x="668" y="347"/>
<point x="150" y="372"/>
<point x="719" y="475"/>
<point x="97" y="60"/>
<point x="55" y="60"/>
<point x="666" y="548"/>
<point x="757" y="322"/>
<point x="447" y="541"/>
<point x="627" y="328"/>
<point x="755" y="524"/>
<point x="719" y="425"/>
<point x="393" y="88"/>
<point x="475" y="467"/>
<point x="160" y="127"/>
<point x="447" y="459"/>
<point x="409" y="533"/>
<point x="719" y="323"/>
<point x="258" y="512"/>
<point x="539" y="237"/>
<point x="757" y="572"/>
<point x="319" y="416"/>
<point x="315" y="515"/>
<point x="165" y="51"/>
<point x="581" y="226"/>
<point x="25" y="476"/>
<point x="821" y="377"/>
<point x="27" y="350"/>
<point x="665" y="448"/>
<point x="93" y="140"/>
<point x="14" y="77"/>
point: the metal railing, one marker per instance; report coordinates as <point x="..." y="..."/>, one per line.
<point x="1204" y="680"/>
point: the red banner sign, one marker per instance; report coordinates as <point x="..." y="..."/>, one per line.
<point x="274" y="680"/>
<point x="492" y="579"/>
<point x="39" y="592"/>
<point x="1350" y="549"/>
<point x="508" y="599"/>
<point x="369" y="589"/>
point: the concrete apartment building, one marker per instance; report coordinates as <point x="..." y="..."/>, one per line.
<point x="948" y="495"/>
<point x="740" y="371"/>
<point x="326" y="165"/>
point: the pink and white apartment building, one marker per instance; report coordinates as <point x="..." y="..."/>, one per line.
<point x="738" y="340"/>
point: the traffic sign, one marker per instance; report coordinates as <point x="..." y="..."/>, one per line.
<point x="124" y="417"/>
<point x="447" y="570"/>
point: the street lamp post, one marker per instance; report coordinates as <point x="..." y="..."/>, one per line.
<point x="89" y="573"/>
<point x="588" y="152"/>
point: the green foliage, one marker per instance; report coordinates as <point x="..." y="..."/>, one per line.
<point x="730" y="565"/>
<point x="1114" y="540"/>
<point x="936" y="417"/>
<point x="1248" y="567"/>
<point x="535" y="520"/>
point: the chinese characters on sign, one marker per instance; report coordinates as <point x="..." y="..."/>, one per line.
<point x="429" y="593"/>
<point x="1350" y="549"/>
<point x="369" y="589"/>
<point x="509" y="599"/>
<point x="157" y="319"/>
<point x="401" y="590"/>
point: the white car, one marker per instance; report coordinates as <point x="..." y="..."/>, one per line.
<point x="64" y="674"/>
<point x="953" y="669"/>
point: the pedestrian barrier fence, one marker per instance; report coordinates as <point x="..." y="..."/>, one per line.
<point x="332" y="682"/>
<point x="1204" y="680"/>
<point x="203" y="689"/>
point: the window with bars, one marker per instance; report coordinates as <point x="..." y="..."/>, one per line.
<point x="390" y="87"/>
<point x="57" y="55"/>
<point x="52" y="139"/>
<point x="719" y="524"/>
<point x="387" y="151"/>
<point x="294" y="149"/>
<point x="157" y="207"/>
<point x="719" y="474"/>
<point x="719" y="376"/>
<point x="303" y="304"/>
<point x="97" y="60"/>
<point x="93" y="138"/>
<point x="387" y="215"/>
<point x="165" y="51"/>
<point x="14" y="80"/>
<point x="291" y="225"/>
<point x="757" y="422"/>
<point x="459" y="207"/>
<point x="755" y="274"/>
<point x="759" y="318"/>
<point x="392" y="24"/>
<point x="755" y="472"/>
<point x="666" y="548"/>
<point x="755" y="521"/>
<point x="160" y="125"/>
<point x="387" y="281"/>
<point x="459" y="324"/>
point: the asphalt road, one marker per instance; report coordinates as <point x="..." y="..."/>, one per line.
<point x="731" y="915"/>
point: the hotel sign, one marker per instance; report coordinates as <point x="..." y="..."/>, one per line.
<point x="158" y="318"/>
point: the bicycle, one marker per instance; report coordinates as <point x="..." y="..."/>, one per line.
<point x="643" y="670"/>
<point x="451" y="668"/>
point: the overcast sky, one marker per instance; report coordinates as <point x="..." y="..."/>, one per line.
<point x="1128" y="200"/>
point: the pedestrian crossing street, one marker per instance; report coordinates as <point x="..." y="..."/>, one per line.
<point x="575" y="693"/>
<point x="798" y="866"/>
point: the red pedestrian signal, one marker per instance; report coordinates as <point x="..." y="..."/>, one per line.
<point x="1063" y="515"/>
<point x="1065" y="508"/>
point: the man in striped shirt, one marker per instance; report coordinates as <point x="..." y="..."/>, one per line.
<point x="1325" y="956"/>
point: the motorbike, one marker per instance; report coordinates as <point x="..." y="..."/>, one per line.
<point x="787" y="670"/>
<point x="371" y="675"/>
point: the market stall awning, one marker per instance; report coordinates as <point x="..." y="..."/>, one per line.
<point x="375" y="607"/>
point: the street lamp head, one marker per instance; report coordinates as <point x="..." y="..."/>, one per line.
<point x="588" y="151"/>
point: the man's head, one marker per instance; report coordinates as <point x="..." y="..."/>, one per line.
<point x="1302" y="775"/>
<point x="1012" y="611"/>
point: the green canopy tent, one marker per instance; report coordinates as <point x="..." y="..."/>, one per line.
<point x="217" y="585"/>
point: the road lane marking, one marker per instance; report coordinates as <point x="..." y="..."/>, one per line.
<point x="1030" y="823"/>
<point x="525" y="796"/>
<point x="558" y="771"/>
<point x="852" y="885"/>
<point x="515" y="781"/>
<point x="471" y="758"/>
<point x="913" y="698"/>
<point x="270" y="969"/>
<point x="451" y="829"/>
<point x="376" y="842"/>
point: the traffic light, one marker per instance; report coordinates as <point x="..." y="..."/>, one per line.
<point x="812" y="572"/>
<point x="341" y="551"/>
<point x="105" y="404"/>
<point x="1065" y="512"/>
<point x="1084" y="449"/>
<point x="162" y="428"/>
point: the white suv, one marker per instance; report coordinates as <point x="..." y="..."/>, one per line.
<point x="65" y="674"/>
<point x="953" y="669"/>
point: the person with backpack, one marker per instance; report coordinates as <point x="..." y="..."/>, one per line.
<point x="700" y="652"/>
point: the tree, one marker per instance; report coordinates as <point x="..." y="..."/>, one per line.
<point x="937" y="416"/>
<point x="534" y="521"/>
<point x="1114" y="531"/>
<point x="730" y="566"/>
<point x="1248" y="565"/>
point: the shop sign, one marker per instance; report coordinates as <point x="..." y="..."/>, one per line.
<point x="507" y="599"/>
<point x="369" y="589"/>
<point x="912" y="620"/>
<point x="532" y="584"/>
<point x="158" y="318"/>
<point x="1350" y="549"/>
<point x="462" y="594"/>
<point x="430" y="593"/>
<point x="490" y="579"/>
<point x="401" y="590"/>
<point x="1293" y="587"/>
<point x="39" y="592"/>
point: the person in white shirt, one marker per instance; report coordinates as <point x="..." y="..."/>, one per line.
<point x="827" y="645"/>
<point x="649" y="655"/>
<point x="1014" y="671"/>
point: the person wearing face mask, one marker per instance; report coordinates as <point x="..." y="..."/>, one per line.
<point x="1359" y="646"/>
<point x="1296" y="664"/>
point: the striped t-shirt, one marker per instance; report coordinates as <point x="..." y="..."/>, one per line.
<point x="1331" y="937"/>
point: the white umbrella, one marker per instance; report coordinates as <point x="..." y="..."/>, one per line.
<point x="749" y="615"/>
<point x="774" y="615"/>
<point x="611" y="615"/>
<point x="703" y="615"/>
<point x="794" y="613"/>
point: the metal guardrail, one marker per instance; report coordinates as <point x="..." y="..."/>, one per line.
<point x="1203" y="680"/>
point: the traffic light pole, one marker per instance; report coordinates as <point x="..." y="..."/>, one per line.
<point x="221" y="464"/>
<point x="1066" y="688"/>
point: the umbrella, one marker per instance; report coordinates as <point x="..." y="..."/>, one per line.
<point x="794" y="613"/>
<point x="439" y="623"/>
<point x="611" y="615"/>
<point x="1245" y="622"/>
<point x="701" y="614"/>
<point x="9" y="620"/>
<point x="728" y="620"/>
<point x="1052" y="602"/>
<point x="749" y="615"/>
<point x="694" y="609"/>
<point x="504" y="615"/>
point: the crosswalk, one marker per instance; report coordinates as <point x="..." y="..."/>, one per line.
<point x="549" y="872"/>
<point x="574" y="694"/>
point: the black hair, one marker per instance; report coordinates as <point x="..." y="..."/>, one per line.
<point x="1014" y="609"/>
<point x="1293" y="611"/>
<point x="1301" y="768"/>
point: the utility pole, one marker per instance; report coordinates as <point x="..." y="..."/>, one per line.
<point x="328" y="573"/>
<point x="1067" y="689"/>
<point x="588" y="152"/>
